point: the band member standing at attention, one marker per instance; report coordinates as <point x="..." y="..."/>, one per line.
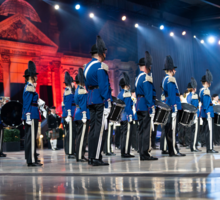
<point x="172" y="96"/>
<point x="99" y="100"/>
<point x="53" y="128"/>
<point x="216" y="129"/>
<point x="1" y="131"/>
<point x="207" y="112"/>
<point x="192" y="98"/>
<point x="70" y="126"/>
<point x="145" y="106"/>
<point x="30" y="115"/>
<point x="81" y="117"/>
<point x="127" y="116"/>
<point x="163" y="140"/>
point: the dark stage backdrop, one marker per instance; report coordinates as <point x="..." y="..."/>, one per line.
<point x="1" y="89"/>
<point x="46" y="94"/>
<point x="16" y="90"/>
<point x="160" y="44"/>
<point x="206" y="56"/>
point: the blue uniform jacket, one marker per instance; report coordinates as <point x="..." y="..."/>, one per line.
<point x="69" y="102"/>
<point x="30" y="105"/>
<point x="145" y="92"/>
<point x="205" y="98"/>
<point x="194" y="100"/>
<point x="171" y="92"/>
<point x="125" y="96"/>
<point x="81" y="105"/>
<point x="96" y="76"/>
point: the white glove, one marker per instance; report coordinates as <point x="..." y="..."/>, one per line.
<point x="130" y="118"/>
<point x="173" y="114"/>
<point x="28" y="118"/>
<point x="69" y="113"/>
<point x="209" y="115"/>
<point x="45" y="114"/>
<point x="106" y="112"/>
<point x="84" y="119"/>
<point x="109" y="103"/>
<point x="40" y="102"/>
<point x="68" y="119"/>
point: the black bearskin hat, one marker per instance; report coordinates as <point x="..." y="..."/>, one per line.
<point x="81" y="76"/>
<point x="168" y="63"/>
<point x="148" y="59"/>
<point x="100" y="44"/>
<point x="31" y="71"/>
<point x="68" y="79"/>
<point x="125" y="81"/>
<point x="208" y="77"/>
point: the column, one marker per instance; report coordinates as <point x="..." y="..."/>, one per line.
<point x="6" y="74"/>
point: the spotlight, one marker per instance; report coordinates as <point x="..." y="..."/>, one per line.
<point x="171" y="34"/>
<point x="161" y="27"/>
<point x="41" y="136"/>
<point x="219" y="42"/>
<point x="136" y="25"/>
<point x="123" y="18"/>
<point x="184" y="33"/>
<point x="202" y="41"/>
<point x="194" y="36"/>
<point x="211" y="39"/>
<point x="91" y="15"/>
<point x="77" y="7"/>
<point x="56" y="6"/>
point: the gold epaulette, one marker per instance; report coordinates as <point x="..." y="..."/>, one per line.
<point x="82" y="91"/>
<point x="30" y="88"/>
<point x="149" y="78"/>
<point x="126" y="94"/>
<point x="206" y="92"/>
<point x="67" y="92"/>
<point x="172" y="79"/>
<point x="104" y="66"/>
<point x="195" y="96"/>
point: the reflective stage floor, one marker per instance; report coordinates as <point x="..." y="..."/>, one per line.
<point x="196" y="176"/>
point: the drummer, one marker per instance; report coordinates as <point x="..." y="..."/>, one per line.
<point x="207" y="112"/>
<point x="172" y="96"/>
<point x="30" y="115"/>
<point x="192" y="98"/>
<point x="1" y="131"/>
<point x="127" y="116"/>
<point x="145" y="106"/>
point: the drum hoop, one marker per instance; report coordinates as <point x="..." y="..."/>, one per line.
<point x="162" y="108"/>
<point x="188" y="111"/>
<point x="118" y="104"/>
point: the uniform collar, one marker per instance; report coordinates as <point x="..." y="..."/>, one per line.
<point x="28" y="83"/>
<point x="141" y="72"/>
<point x="94" y="59"/>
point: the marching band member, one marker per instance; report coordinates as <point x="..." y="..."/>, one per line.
<point x="70" y="126"/>
<point x="81" y="117"/>
<point x="216" y="128"/>
<point x="98" y="101"/>
<point x="163" y="140"/>
<point x="207" y="112"/>
<point x="127" y="116"/>
<point x="1" y="131"/>
<point x="192" y="98"/>
<point x="30" y="115"/>
<point x="145" y="106"/>
<point x="108" y="142"/>
<point x="172" y="96"/>
<point x="53" y="128"/>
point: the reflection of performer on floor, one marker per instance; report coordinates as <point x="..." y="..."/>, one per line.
<point x="30" y="115"/>
<point x="192" y="98"/>
<point x="207" y="112"/>
<point x="98" y="101"/>
<point x="53" y="128"/>
<point x="1" y="130"/>
<point x="172" y="96"/>
<point x="145" y="106"/>
<point x="81" y="116"/>
<point x="127" y="116"/>
<point x="70" y="127"/>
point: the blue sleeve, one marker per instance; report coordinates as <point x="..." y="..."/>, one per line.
<point x="27" y="99"/>
<point x="206" y="103"/>
<point x="148" y="93"/>
<point x="154" y="91"/>
<point x="172" y="94"/>
<point x="128" y="105"/>
<point x="195" y="102"/>
<point x="68" y="102"/>
<point x="83" y="102"/>
<point x="103" y="83"/>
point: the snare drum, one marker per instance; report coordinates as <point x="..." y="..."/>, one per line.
<point x="11" y="114"/>
<point x="162" y="112"/>
<point x="187" y="114"/>
<point x="216" y="109"/>
<point x="116" y="110"/>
